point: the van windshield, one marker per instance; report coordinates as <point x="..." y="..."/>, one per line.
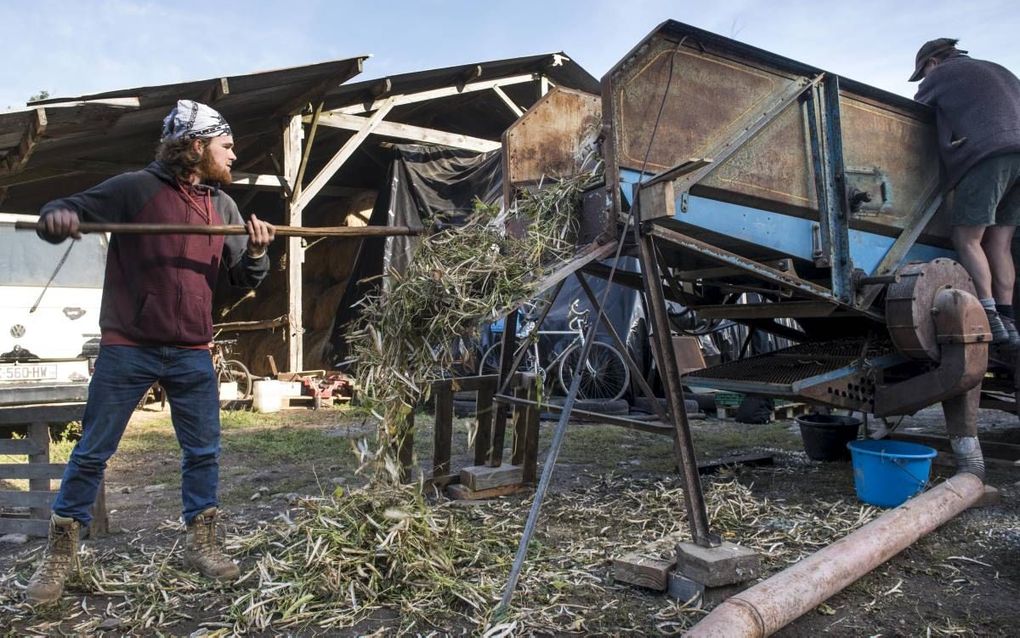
<point x="26" y="260"/>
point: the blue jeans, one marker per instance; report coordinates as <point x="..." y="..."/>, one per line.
<point x="122" y="376"/>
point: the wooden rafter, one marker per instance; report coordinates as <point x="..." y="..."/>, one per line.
<point x="217" y="90"/>
<point x="313" y="95"/>
<point x="432" y="94"/>
<point x="121" y="102"/>
<point x="408" y="132"/>
<point x="345" y="152"/>
<point x="16" y="160"/>
<point x="518" y="111"/>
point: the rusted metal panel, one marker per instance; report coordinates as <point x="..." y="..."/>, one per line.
<point x="546" y="141"/>
<point x="899" y="146"/>
<point x="707" y="86"/>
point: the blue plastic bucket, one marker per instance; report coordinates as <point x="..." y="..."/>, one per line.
<point x="887" y="473"/>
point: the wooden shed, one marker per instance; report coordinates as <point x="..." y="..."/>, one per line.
<point x="312" y="151"/>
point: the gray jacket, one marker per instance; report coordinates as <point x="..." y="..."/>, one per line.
<point x="977" y="110"/>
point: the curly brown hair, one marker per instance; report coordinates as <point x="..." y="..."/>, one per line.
<point x="180" y="158"/>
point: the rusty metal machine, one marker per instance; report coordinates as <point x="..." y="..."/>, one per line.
<point x="730" y="170"/>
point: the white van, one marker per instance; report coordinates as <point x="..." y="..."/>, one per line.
<point x="49" y="335"/>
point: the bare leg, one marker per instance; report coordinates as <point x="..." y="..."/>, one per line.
<point x="997" y="246"/>
<point x="967" y="241"/>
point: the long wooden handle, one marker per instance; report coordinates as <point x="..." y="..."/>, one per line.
<point x="196" y="229"/>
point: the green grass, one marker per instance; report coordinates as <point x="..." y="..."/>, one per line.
<point x="595" y="444"/>
<point x="716" y="438"/>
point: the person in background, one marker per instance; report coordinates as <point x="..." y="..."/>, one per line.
<point x="156" y="325"/>
<point x="977" y="114"/>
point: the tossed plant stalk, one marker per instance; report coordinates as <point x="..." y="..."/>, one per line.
<point x="458" y="279"/>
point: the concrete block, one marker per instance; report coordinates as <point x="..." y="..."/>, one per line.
<point x="483" y="477"/>
<point x="684" y="589"/>
<point x="716" y="566"/>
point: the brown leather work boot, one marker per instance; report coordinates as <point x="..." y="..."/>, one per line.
<point x="202" y="549"/>
<point x="59" y="559"/>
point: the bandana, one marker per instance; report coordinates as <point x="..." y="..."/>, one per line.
<point x="190" y="120"/>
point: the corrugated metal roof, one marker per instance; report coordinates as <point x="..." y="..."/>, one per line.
<point x="123" y="126"/>
<point x="74" y="141"/>
<point x="558" y="67"/>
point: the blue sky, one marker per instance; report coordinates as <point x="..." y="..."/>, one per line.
<point x="73" y="48"/>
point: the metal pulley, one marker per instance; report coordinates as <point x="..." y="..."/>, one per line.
<point x="912" y="306"/>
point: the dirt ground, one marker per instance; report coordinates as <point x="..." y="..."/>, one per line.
<point x="962" y="580"/>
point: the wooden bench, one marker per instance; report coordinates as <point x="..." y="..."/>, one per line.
<point x="39" y="470"/>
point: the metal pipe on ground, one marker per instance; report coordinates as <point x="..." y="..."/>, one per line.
<point x="773" y="603"/>
<point x="234" y="229"/>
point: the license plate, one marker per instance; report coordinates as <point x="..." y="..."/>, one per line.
<point x="28" y="372"/>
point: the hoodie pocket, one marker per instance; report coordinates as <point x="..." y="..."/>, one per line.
<point x="154" y="320"/>
<point x="195" y="318"/>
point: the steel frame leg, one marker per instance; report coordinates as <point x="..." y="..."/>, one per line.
<point x="694" y="497"/>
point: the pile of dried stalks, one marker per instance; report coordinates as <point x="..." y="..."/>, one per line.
<point x="399" y="565"/>
<point x="339" y="561"/>
<point x="458" y="278"/>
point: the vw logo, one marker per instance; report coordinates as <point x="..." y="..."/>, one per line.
<point x="17" y="330"/>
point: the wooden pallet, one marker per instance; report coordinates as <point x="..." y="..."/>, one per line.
<point x="34" y="503"/>
<point x="783" y="410"/>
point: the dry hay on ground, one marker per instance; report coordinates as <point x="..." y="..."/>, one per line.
<point x="387" y="559"/>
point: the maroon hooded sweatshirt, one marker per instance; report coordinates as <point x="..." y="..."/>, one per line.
<point x="159" y="288"/>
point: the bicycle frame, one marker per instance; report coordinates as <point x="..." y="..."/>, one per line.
<point x="577" y="328"/>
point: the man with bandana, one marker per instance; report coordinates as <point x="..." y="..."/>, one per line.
<point x="156" y="324"/>
<point x="977" y="114"/>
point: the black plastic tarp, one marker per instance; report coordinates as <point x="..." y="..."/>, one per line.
<point x="429" y="185"/>
<point x="423" y="183"/>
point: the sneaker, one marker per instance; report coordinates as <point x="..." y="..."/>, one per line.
<point x="1000" y="335"/>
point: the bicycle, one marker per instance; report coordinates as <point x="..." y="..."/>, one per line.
<point x="604" y="375"/>
<point x="231" y="370"/>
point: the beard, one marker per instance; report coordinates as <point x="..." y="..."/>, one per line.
<point x="211" y="172"/>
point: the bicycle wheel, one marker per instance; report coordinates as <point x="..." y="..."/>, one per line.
<point x="234" y="370"/>
<point x="604" y="375"/>
<point x="489" y="363"/>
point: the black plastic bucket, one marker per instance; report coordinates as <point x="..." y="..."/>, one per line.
<point x="826" y="435"/>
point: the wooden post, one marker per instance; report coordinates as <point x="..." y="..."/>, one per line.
<point x="521" y="415"/>
<point x="506" y="359"/>
<point x="100" y="524"/>
<point x="483" y="439"/>
<point x="39" y="434"/>
<point x="292" y="135"/>
<point x="443" y="431"/>
<point x="405" y="450"/>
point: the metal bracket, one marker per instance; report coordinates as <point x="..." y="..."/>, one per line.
<point x="863" y="184"/>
